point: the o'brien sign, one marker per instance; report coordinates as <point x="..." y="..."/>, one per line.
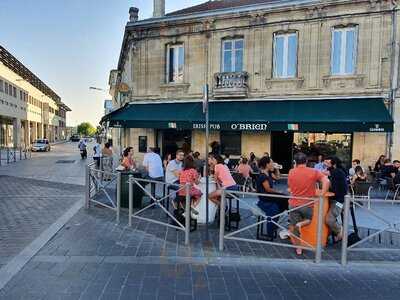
<point x="234" y="126"/>
<point x="249" y="127"/>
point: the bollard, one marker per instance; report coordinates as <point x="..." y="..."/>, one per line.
<point x="8" y="155"/>
<point x="345" y="230"/>
<point x="222" y="221"/>
<point x="101" y="170"/>
<point x="0" y="155"/>
<point x="118" y="195"/>
<point x="130" y="200"/>
<point x="20" y="153"/>
<point x="318" y="251"/>
<point x="187" y="214"/>
<point x="87" y="186"/>
<point x="15" y="154"/>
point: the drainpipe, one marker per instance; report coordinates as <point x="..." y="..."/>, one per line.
<point x="393" y="74"/>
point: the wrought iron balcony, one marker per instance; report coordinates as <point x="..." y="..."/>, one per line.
<point x="230" y="84"/>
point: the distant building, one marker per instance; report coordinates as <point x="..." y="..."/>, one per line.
<point x="284" y="76"/>
<point x="29" y="109"/>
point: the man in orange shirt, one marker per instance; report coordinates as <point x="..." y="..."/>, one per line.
<point x="302" y="183"/>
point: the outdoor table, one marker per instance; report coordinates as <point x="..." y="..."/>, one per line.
<point x="201" y="207"/>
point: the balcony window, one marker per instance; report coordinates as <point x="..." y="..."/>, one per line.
<point x="344" y="51"/>
<point x="285" y="55"/>
<point x="232" y="55"/>
<point x="175" y="63"/>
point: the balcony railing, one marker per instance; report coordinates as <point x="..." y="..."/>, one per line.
<point x="231" y="84"/>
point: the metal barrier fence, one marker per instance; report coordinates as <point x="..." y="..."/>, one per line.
<point x="159" y="202"/>
<point x="357" y="202"/>
<point x="13" y="154"/>
<point x="273" y="219"/>
<point x="97" y="180"/>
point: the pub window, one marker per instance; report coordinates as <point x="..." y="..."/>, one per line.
<point x="285" y="55"/>
<point x="175" y="63"/>
<point x="344" y="51"/>
<point x="231" y="142"/>
<point x="232" y="55"/>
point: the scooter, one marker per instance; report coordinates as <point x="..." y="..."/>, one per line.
<point x="83" y="154"/>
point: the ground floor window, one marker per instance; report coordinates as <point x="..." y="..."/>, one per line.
<point x="327" y="144"/>
<point x="231" y="142"/>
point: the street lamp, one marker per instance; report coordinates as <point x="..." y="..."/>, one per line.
<point x="97" y="89"/>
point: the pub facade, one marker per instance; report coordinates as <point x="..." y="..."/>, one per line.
<point x="283" y="76"/>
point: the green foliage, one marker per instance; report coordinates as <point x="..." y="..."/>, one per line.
<point x="86" y="129"/>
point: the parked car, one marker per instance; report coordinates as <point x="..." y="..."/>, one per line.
<point x="41" y="145"/>
<point x="75" y="138"/>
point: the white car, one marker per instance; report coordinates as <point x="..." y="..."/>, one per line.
<point x="41" y="145"/>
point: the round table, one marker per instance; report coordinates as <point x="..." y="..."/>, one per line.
<point x="201" y="207"/>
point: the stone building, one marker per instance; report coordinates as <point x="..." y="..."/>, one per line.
<point x="29" y="109"/>
<point x="283" y="76"/>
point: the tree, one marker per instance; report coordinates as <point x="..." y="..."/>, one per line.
<point x="86" y="129"/>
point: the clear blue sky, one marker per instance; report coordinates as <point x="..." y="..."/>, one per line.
<point x="72" y="44"/>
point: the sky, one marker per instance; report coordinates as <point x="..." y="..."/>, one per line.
<point x="72" y="45"/>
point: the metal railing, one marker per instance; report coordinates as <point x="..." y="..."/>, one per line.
<point x="388" y="225"/>
<point x="97" y="180"/>
<point x="154" y="201"/>
<point x="13" y="154"/>
<point x="240" y="196"/>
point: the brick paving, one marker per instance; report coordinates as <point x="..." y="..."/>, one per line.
<point x="92" y="257"/>
<point x="28" y="207"/>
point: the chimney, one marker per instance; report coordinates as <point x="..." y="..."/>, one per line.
<point x="159" y="8"/>
<point x="133" y="14"/>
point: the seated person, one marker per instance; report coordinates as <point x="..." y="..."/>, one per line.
<point x="128" y="162"/>
<point x="271" y="206"/>
<point x="389" y="170"/>
<point x="302" y="182"/>
<point x="243" y="168"/>
<point x="190" y="175"/>
<point x="222" y="176"/>
<point x="359" y="175"/>
<point x="354" y="164"/>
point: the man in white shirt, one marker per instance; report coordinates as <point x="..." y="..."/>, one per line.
<point x="174" y="168"/>
<point x="153" y="164"/>
<point x="97" y="153"/>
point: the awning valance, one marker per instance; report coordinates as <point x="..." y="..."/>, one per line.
<point x="330" y="115"/>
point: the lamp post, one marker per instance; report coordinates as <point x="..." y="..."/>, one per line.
<point x="206" y="113"/>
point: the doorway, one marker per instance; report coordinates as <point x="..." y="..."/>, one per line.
<point x="281" y="149"/>
<point x="173" y="139"/>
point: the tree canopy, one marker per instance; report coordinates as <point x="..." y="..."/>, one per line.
<point x="86" y="129"/>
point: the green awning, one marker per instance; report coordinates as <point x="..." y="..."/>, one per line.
<point x="330" y="115"/>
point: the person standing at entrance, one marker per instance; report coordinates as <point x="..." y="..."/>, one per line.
<point x="338" y="180"/>
<point x="301" y="182"/>
<point x="153" y="164"/>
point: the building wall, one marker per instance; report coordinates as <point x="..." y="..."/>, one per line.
<point x="144" y="63"/>
<point x="28" y="114"/>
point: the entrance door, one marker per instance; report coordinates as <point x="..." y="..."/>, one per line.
<point x="172" y="140"/>
<point x="281" y="149"/>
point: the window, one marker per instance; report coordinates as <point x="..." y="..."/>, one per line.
<point x="1" y="86"/>
<point x="14" y="92"/>
<point x="175" y="63"/>
<point x="285" y="55"/>
<point x="344" y="51"/>
<point x="231" y="142"/>
<point x="21" y="95"/>
<point x="232" y="55"/>
<point x="6" y="87"/>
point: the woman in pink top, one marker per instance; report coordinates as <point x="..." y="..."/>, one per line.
<point x="190" y="175"/>
<point x="243" y="168"/>
<point x="222" y="176"/>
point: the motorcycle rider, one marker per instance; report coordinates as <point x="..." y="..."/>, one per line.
<point x="82" y="147"/>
